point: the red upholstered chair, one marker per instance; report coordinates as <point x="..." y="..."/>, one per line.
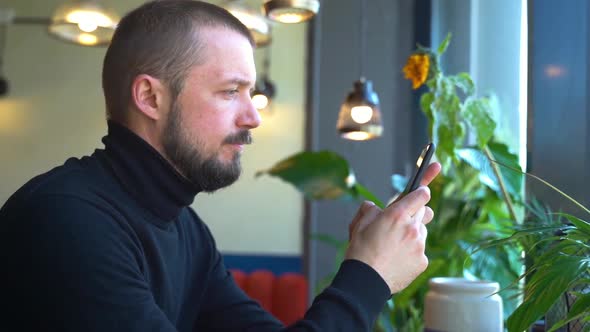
<point x="284" y="296"/>
<point x="259" y="286"/>
<point x="239" y="277"/>
<point x="289" y="297"/>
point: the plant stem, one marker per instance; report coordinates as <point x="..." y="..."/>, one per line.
<point x="496" y="170"/>
<point x="571" y="199"/>
<point x="559" y="191"/>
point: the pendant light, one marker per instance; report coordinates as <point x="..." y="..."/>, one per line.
<point x="84" y="22"/>
<point x="254" y="21"/>
<point x="264" y="89"/>
<point x="360" y="117"/>
<point x="291" y="11"/>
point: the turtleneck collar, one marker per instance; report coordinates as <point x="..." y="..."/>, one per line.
<point x="145" y="174"/>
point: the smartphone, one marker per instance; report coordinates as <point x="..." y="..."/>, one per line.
<point x="421" y="165"/>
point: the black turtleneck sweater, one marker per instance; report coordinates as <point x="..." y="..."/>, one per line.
<point x="108" y="242"/>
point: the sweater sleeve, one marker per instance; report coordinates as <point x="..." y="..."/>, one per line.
<point x="74" y="268"/>
<point x="351" y="303"/>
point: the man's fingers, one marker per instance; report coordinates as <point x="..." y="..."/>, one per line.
<point x="412" y="202"/>
<point x="428" y="215"/>
<point x="360" y="215"/>
<point x="423" y="231"/>
<point x="431" y="172"/>
<point x="368" y="217"/>
<point x="419" y="216"/>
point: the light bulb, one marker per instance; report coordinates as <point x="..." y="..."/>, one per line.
<point x="361" y="114"/>
<point x="260" y="101"/>
<point x="89" y="17"/>
<point x="87" y="26"/>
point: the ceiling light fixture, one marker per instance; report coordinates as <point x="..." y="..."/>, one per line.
<point x="360" y="117"/>
<point x="83" y="22"/>
<point x="264" y="90"/>
<point x="255" y="22"/>
<point x="291" y="11"/>
<point x="263" y="93"/>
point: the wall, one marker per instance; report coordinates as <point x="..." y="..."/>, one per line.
<point x="334" y="67"/>
<point x="55" y="110"/>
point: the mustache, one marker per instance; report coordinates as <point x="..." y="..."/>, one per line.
<point x="243" y="137"/>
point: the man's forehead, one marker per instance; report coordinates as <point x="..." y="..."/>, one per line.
<point x="241" y="72"/>
<point x="221" y="38"/>
<point x="235" y="80"/>
<point x="227" y="57"/>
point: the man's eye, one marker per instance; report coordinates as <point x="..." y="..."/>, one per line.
<point x="232" y="92"/>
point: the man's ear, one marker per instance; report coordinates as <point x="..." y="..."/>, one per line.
<point x="148" y="95"/>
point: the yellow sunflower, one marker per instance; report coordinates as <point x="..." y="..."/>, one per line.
<point x="416" y="69"/>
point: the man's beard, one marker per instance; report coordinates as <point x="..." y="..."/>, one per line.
<point x="209" y="174"/>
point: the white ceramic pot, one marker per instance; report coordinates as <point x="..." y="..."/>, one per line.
<point x="462" y="305"/>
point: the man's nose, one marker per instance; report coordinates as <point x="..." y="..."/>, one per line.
<point x="250" y="117"/>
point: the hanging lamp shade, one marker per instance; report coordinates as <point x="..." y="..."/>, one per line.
<point x="83" y="22"/>
<point x="254" y="21"/>
<point x="291" y="11"/>
<point x="360" y="117"/>
<point x="263" y="93"/>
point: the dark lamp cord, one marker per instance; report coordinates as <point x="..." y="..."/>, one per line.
<point x="363" y="36"/>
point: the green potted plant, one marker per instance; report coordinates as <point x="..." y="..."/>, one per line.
<point x="473" y="200"/>
<point x="557" y="252"/>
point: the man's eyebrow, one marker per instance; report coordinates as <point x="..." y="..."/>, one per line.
<point x="238" y="81"/>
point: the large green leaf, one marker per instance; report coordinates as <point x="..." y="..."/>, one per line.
<point x="502" y="264"/>
<point x="547" y="284"/>
<point x="513" y="175"/>
<point x="448" y="132"/>
<point x="464" y="82"/>
<point x="478" y="160"/>
<point x="477" y="115"/>
<point x="318" y="175"/>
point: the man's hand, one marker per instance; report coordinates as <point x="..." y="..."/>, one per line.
<point x="392" y="240"/>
